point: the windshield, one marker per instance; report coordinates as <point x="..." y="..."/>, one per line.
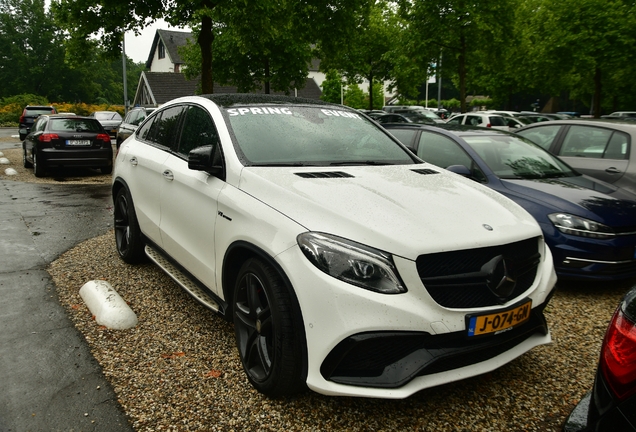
<point x="512" y="157"/>
<point x="302" y="135"/>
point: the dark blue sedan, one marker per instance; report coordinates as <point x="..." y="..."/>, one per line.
<point x="589" y="225"/>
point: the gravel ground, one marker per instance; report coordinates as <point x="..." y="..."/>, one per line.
<point x="179" y="368"/>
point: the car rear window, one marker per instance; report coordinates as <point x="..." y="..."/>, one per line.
<point x="38" y="111"/>
<point x="107" y="116"/>
<point x="498" y="121"/>
<point x="75" y="125"/>
<point x="299" y="135"/>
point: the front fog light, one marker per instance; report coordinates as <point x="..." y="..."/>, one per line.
<point x="352" y="262"/>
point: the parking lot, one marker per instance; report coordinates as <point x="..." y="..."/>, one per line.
<point x="179" y="368"/>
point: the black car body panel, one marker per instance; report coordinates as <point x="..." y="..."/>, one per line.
<point x="603" y="408"/>
<point x="62" y="141"/>
<point x="30" y="114"/>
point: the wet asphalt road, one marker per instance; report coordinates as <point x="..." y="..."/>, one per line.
<point x="49" y="381"/>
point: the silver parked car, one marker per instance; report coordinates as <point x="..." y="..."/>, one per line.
<point x="598" y="148"/>
<point x="110" y="120"/>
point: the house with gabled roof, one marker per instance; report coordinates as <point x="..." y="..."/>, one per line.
<point x="163" y="80"/>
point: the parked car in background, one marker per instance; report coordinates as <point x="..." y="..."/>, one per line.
<point x="29" y="114"/>
<point x="589" y="225"/>
<point x="598" y="148"/>
<point x="536" y="118"/>
<point x="67" y="141"/>
<point x="480" y="120"/>
<point x="611" y="404"/>
<point x="502" y="113"/>
<point x="345" y="263"/>
<point x="110" y="120"/>
<point x="621" y="115"/>
<point x="131" y="122"/>
<point x="420" y="116"/>
<point x="391" y="118"/>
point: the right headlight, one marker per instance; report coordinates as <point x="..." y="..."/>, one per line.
<point x="574" y="225"/>
<point x="352" y="262"/>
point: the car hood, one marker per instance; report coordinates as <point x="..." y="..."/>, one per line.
<point x="581" y="196"/>
<point x="392" y="208"/>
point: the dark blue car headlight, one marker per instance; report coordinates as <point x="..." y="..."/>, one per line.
<point x="575" y="225"/>
<point x="352" y="262"/>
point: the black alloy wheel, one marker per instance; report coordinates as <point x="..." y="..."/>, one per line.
<point x="267" y="333"/>
<point x="128" y="237"/>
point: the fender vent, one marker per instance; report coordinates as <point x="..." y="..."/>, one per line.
<point x="325" y="174"/>
<point x="425" y="171"/>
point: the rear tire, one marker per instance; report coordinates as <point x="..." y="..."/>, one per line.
<point x="268" y="332"/>
<point x="106" y="170"/>
<point x="38" y="167"/>
<point x="25" y="162"/>
<point x="128" y="237"/>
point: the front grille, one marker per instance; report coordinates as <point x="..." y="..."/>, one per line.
<point x="456" y="279"/>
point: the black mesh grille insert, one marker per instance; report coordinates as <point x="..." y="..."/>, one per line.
<point x="457" y="279"/>
<point x="324" y="174"/>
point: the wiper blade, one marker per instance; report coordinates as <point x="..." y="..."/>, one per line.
<point x="288" y="164"/>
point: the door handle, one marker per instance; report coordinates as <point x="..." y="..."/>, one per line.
<point x="133" y="161"/>
<point x="167" y="174"/>
<point x="613" y="170"/>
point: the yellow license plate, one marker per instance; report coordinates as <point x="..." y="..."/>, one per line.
<point x="496" y="322"/>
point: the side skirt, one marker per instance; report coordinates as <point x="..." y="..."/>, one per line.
<point x="185" y="281"/>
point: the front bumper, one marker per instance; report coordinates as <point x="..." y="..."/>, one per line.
<point x="592" y="259"/>
<point x="362" y="343"/>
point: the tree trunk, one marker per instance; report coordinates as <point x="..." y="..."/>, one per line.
<point x="267" y="88"/>
<point x="206" y="37"/>
<point x="371" y="90"/>
<point x="462" y="73"/>
<point x="597" y="93"/>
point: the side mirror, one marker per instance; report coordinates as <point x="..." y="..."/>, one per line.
<point x="208" y="159"/>
<point x="459" y="169"/>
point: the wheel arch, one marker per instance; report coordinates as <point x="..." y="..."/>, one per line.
<point x="235" y="255"/>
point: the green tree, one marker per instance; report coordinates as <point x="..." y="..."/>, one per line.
<point x="354" y="97"/>
<point x="580" y="46"/>
<point x="31" y="49"/>
<point x="364" y="55"/>
<point x="462" y="33"/>
<point x="332" y="87"/>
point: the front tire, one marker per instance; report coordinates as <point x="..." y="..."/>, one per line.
<point x="106" y="169"/>
<point x="128" y="237"/>
<point x="268" y="336"/>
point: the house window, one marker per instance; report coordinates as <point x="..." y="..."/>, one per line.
<point x="162" y="50"/>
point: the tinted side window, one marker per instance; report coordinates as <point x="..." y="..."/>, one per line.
<point x="456" y="120"/>
<point x="473" y="120"/>
<point x="198" y="130"/>
<point x="542" y="136"/>
<point x="618" y="147"/>
<point x="585" y="141"/>
<point x="167" y="127"/>
<point x="405" y="136"/>
<point x="498" y="121"/>
<point x="144" y="131"/>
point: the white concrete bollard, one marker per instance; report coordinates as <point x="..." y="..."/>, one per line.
<point x="107" y="306"/>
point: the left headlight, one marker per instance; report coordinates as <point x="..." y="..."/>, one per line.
<point x="352" y="262"/>
<point x="574" y="225"/>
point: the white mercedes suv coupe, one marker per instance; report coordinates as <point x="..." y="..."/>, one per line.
<point x="346" y="264"/>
